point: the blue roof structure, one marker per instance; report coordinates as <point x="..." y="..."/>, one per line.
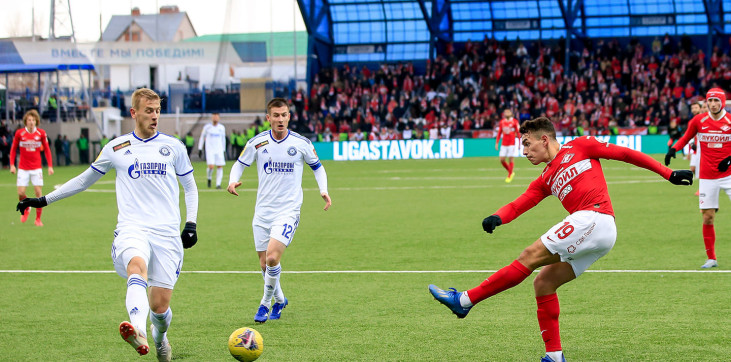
<point x="40" y="68"/>
<point x="346" y="31"/>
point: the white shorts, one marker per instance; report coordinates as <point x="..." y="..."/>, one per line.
<point x="282" y="229"/>
<point x="709" y="189"/>
<point x="163" y="255"/>
<point x="581" y="238"/>
<point x="695" y="158"/>
<point x="507" y="151"/>
<point x="35" y="177"/>
<point x="215" y="158"/>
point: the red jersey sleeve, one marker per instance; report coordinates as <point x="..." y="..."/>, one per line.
<point x="531" y="197"/>
<point x="499" y="132"/>
<point x="14" y="147"/>
<point x="46" y="148"/>
<point x="597" y="149"/>
<point x="689" y="133"/>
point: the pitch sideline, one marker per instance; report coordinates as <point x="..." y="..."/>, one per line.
<point x="350" y="271"/>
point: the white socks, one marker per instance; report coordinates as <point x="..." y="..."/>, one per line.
<point x="278" y="293"/>
<point x="209" y="173"/>
<point x="137" y="304"/>
<point x="160" y="322"/>
<point x="464" y="300"/>
<point x="556" y="356"/>
<point x="271" y="279"/>
<point x="219" y="176"/>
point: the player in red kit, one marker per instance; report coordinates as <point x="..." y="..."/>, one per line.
<point x="712" y="132"/>
<point x="31" y="141"/>
<point x="508" y="130"/>
<point x="574" y="175"/>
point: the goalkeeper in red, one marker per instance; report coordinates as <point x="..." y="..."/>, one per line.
<point x="712" y="131"/>
<point x="574" y="175"/>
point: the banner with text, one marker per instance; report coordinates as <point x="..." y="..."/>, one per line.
<point x="457" y="148"/>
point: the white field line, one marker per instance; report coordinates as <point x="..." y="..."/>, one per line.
<point x="351" y="271"/>
<point x="434" y="187"/>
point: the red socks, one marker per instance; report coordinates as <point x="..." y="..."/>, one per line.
<point x="510" y="168"/>
<point x="548" y="311"/>
<point x="38" y="213"/>
<point x="505" y="164"/>
<point x="503" y="279"/>
<point x="709" y="238"/>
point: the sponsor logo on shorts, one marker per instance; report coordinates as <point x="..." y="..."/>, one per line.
<point x="572" y="248"/>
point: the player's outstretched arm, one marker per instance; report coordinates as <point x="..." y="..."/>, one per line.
<point x="681" y="177"/>
<point x="31" y="202"/>
<point x="70" y="188"/>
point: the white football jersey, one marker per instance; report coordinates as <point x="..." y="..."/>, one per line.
<point x="213" y="138"/>
<point x="279" y="165"/>
<point x="147" y="184"/>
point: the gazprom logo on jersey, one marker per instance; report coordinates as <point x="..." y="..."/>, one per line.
<point x="271" y="167"/>
<point x="398" y="150"/>
<point x="138" y="169"/>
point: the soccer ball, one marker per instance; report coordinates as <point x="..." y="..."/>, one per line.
<point x="245" y="344"/>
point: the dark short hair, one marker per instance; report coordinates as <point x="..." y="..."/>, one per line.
<point x="538" y="127"/>
<point x="277" y="102"/>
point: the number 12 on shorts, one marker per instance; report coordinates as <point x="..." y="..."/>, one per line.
<point x="288" y="230"/>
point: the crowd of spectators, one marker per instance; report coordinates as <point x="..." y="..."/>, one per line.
<point x="609" y="86"/>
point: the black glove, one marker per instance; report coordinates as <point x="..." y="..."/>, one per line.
<point x="31" y="202"/>
<point x="200" y="153"/>
<point x="491" y="222"/>
<point x="681" y="177"/>
<point x="671" y="153"/>
<point x="189" y="235"/>
<point x="723" y="166"/>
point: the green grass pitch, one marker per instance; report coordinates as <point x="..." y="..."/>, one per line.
<point x="394" y="228"/>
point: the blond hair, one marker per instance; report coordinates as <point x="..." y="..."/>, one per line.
<point x="32" y="113"/>
<point x="145" y="93"/>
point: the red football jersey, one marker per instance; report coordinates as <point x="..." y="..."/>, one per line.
<point x="714" y="140"/>
<point x="31" y="145"/>
<point x="575" y="176"/>
<point x="508" y="129"/>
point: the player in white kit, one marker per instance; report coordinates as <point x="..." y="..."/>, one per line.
<point x="148" y="245"/>
<point x="213" y="138"/>
<point x="280" y="156"/>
